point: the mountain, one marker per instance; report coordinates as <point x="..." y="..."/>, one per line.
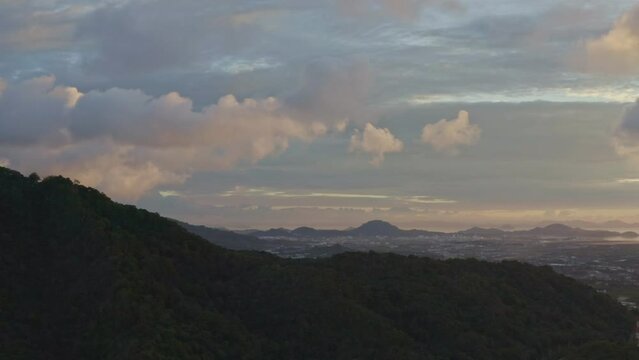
<point x="83" y="277"/>
<point x="606" y="225"/>
<point x="301" y="232"/>
<point x="374" y="228"/>
<point x="561" y="230"/>
<point x="274" y="244"/>
<point x="378" y="228"/>
<point x="225" y="238"/>
<point x="477" y="231"/>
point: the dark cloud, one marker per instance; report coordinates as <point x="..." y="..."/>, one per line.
<point x="28" y="26"/>
<point x="148" y="36"/>
<point x="337" y="90"/>
<point x="626" y="134"/>
<point x="35" y="111"/>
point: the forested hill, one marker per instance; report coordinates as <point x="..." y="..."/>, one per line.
<point x="82" y="277"/>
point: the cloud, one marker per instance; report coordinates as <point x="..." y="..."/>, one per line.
<point x="335" y="91"/>
<point x="114" y="169"/>
<point x="606" y="94"/>
<point x="158" y="38"/>
<point x="235" y="66"/>
<point x="626" y="134"/>
<point x="38" y="25"/>
<point x="127" y="142"/>
<point x="616" y="52"/>
<point x="376" y="142"/>
<point x="407" y="10"/>
<point x="448" y="135"/>
<point x="35" y="111"/>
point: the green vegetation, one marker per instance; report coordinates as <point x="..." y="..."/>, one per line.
<point x="605" y="350"/>
<point x="83" y="277"/>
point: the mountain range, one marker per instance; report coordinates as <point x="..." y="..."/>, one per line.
<point x="378" y="228"/>
<point x="606" y="225"/>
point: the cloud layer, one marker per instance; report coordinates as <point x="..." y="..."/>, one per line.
<point x="375" y="141"/>
<point x="448" y="135"/>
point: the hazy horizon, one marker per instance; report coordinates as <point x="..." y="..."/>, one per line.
<point x="446" y="227"/>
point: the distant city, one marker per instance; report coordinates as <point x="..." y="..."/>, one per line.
<point x="607" y="260"/>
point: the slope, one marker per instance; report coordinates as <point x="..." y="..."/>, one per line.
<point x="83" y="277"/>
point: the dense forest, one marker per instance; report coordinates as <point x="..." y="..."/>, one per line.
<point x="82" y="277"/>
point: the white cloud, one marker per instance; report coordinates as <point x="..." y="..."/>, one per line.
<point x="169" y="193"/>
<point x="126" y="142"/>
<point x="448" y="135"/>
<point x="235" y="66"/>
<point x="376" y="142"/>
<point x="117" y="173"/>
<point x="244" y="192"/>
<point x="617" y="51"/>
<point x="340" y="126"/>
<point x="265" y="192"/>
<point x="606" y="94"/>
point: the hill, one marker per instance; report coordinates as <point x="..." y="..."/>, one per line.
<point x="276" y="244"/>
<point x="83" y="277"/>
<point x="224" y="238"/>
<point x="376" y="228"/>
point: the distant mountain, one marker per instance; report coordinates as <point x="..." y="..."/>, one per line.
<point x="618" y="224"/>
<point x="374" y="228"/>
<point x="606" y="225"/>
<point x="277" y="242"/>
<point x="82" y="277"/>
<point x="477" y="231"/>
<point x="552" y="230"/>
<point x="561" y="230"/>
<point x="225" y="238"/>
<point x="379" y="228"/>
<point x="274" y="233"/>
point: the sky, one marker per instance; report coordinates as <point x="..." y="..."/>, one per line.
<point x="440" y="114"/>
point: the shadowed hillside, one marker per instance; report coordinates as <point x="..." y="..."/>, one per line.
<point x="83" y="277"/>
